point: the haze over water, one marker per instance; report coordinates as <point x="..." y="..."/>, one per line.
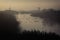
<point x="35" y="23"/>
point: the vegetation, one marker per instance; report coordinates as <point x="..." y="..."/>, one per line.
<point x="37" y="35"/>
<point x="9" y="30"/>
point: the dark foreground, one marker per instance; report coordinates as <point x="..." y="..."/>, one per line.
<point x="30" y="35"/>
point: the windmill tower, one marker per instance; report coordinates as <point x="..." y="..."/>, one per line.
<point x="9" y="8"/>
<point x="38" y="8"/>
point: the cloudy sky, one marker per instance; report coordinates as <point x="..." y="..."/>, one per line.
<point x="29" y="4"/>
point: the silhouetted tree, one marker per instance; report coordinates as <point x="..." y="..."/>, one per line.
<point x="37" y="35"/>
<point x="8" y="25"/>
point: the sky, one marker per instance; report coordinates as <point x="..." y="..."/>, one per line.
<point x="29" y="4"/>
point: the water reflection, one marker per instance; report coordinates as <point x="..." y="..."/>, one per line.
<point x="28" y="22"/>
<point x="34" y="23"/>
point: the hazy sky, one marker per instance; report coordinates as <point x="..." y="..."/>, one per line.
<point x="29" y="4"/>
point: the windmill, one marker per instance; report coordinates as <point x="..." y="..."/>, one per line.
<point x="9" y="8"/>
<point x="38" y="8"/>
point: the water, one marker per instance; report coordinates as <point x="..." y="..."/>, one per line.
<point x="34" y="23"/>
